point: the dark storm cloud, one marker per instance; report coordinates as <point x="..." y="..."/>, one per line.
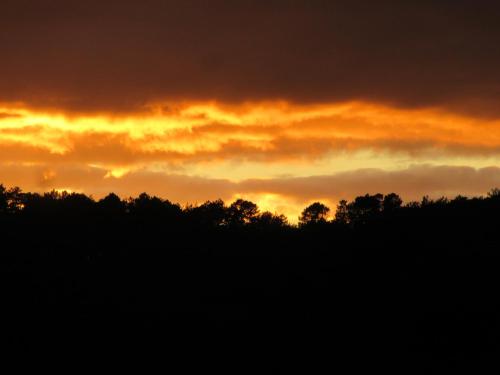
<point x="120" y="55"/>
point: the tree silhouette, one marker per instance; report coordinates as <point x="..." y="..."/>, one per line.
<point x="494" y="193"/>
<point x="270" y="221"/>
<point x="364" y="208"/>
<point x="75" y="203"/>
<point x="3" y="199"/>
<point x="342" y="213"/>
<point x="314" y="213"/>
<point x="242" y="212"/>
<point x="209" y="214"/>
<point x="391" y="202"/>
<point x="112" y="205"/>
<point x="150" y="207"/>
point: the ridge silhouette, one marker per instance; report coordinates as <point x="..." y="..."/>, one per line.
<point x="404" y="285"/>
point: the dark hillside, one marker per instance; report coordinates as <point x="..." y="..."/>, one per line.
<point x="385" y="284"/>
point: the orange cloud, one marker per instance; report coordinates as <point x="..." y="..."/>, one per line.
<point x="267" y="151"/>
<point x="267" y="132"/>
<point x="288" y="195"/>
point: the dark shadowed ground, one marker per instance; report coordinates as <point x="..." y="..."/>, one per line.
<point x="215" y="287"/>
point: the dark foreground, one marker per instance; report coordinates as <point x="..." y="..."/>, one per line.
<point x="414" y="287"/>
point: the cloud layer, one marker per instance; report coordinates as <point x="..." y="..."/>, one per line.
<point x="267" y="133"/>
<point x="124" y="55"/>
<point x="285" y="195"/>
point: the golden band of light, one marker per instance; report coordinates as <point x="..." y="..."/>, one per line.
<point x="270" y="138"/>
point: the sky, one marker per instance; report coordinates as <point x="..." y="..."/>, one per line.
<point x="280" y="102"/>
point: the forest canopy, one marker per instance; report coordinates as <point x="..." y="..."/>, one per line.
<point x="216" y="213"/>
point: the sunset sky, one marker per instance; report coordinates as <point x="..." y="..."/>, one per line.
<point x="280" y="102"/>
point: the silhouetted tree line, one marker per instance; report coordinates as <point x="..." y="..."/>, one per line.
<point x="69" y="204"/>
<point x="362" y="210"/>
<point x="377" y="282"/>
